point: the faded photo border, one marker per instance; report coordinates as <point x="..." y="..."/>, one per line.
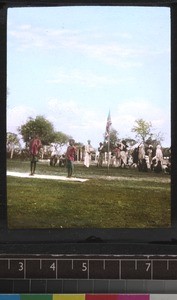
<point x="173" y="127"/>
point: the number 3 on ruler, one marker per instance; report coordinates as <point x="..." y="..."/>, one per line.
<point x="20" y="266"/>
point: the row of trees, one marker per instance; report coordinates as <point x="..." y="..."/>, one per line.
<point x="45" y="129"/>
<point x="143" y="134"/>
<point x="40" y="126"/>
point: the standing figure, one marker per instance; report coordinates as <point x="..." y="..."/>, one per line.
<point x="70" y="154"/>
<point x="158" y="159"/>
<point x="149" y="153"/>
<point x="135" y="156"/>
<point x="100" y="155"/>
<point x="87" y="157"/>
<point x="117" y="154"/>
<point x="168" y="169"/>
<point x="34" y="147"/>
<point x="159" y="154"/>
<point x="142" y="166"/>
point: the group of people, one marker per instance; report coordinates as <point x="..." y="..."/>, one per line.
<point x="145" y="159"/>
<point x="151" y="159"/>
<point x="35" y="146"/>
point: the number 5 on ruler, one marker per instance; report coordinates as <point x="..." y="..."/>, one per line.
<point x="84" y="266"/>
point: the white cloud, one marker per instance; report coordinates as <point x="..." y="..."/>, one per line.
<point x="112" y="53"/>
<point x="71" y="113"/>
<point x="86" y="78"/>
<point x="125" y="114"/>
<point x="17" y="116"/>
<point x="62" y="107"/>
<point x="76" y="120"/>
<point x="85" y="123"/>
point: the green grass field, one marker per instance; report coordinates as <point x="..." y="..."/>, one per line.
<point x="120" y="198"/>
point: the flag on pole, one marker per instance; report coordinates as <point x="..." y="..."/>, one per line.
<point x="108" y="126"/>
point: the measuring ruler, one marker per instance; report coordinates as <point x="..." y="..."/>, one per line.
<point x="59" y="270"/>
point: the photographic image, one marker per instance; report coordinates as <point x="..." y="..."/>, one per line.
<point x="88" y="138"/>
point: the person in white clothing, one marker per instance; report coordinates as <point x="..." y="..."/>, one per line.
<point x="159" y="154"/>
<point x="87" y="156"/>
<point x="158" y="159"/>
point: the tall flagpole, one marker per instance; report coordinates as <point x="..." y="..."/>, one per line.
<point x="108" y="150"/>
<point x="107" y="136"/>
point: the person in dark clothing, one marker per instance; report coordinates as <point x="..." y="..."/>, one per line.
<point x="70" y="154"/>
<point x="34" y="147"/>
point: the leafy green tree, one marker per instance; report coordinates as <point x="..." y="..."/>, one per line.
<point x="61" y="138"/>
<point x="142" y="130"/>
<point x="40" y="126"/>
<point x="155" y="139"/>
<point x="113" y="135"/>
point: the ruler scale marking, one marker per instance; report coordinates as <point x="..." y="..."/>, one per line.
<point x="88" y="274"/>
<point x="40" y="264"/>
<point x="30" y="285"/>
<point x="120" y="269"/>
<point x="8" y="263"/>
<point x="22" y="268"/>
<point x="103" y="264"/>
<point x="56" y="273"/>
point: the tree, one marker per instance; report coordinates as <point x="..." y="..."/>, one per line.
<point x="142" y="129"/>
<point x="155" y="139"/>
<point x="113" y="136"/>
<point x="129" y="141"/>
<point x="12" y="143"/>
<point x="61" y="138"/>
<point x="40" y="126"/>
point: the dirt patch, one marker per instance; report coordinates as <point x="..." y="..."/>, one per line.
<point x="126" y="178"/>
<point x="119" y="178"/>
<point x="50" y="177"/>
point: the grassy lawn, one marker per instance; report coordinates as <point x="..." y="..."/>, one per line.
<point x="120" y="198"/>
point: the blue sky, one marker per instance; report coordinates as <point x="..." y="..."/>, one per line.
<point x="74" y="64"/>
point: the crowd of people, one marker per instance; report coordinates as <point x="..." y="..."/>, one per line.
<point x="145" y="158"/>
<point x="148" y="158"/>
<point x="120" y="155"/>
